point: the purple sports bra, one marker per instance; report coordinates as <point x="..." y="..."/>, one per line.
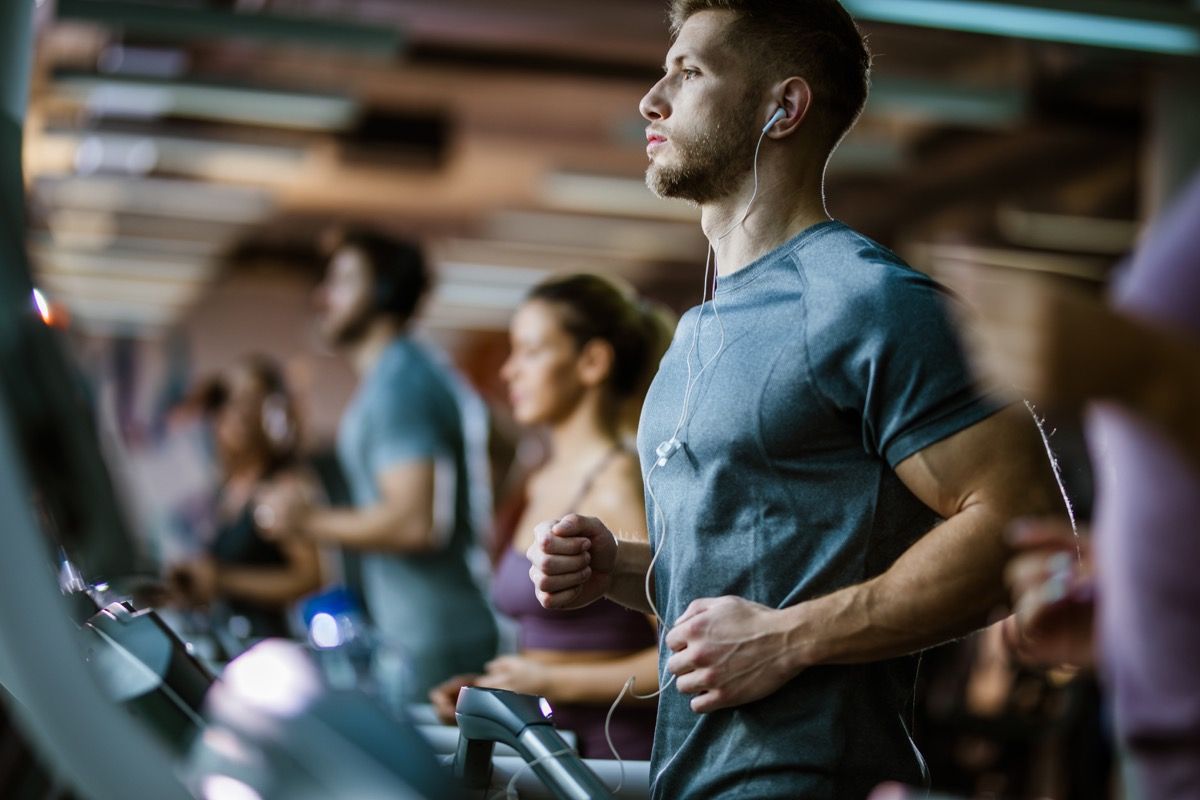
<point x="603" y="625"/>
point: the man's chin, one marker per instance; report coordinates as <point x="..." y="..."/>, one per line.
<point x="337" y="338"/>
<point x="667" y="186"/>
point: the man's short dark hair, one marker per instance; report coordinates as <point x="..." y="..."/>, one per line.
<point x="398" y="270"/>
<point x="814" y="39"/>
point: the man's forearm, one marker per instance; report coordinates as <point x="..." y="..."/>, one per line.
<point x="943" y="587"/>
<point x="629" y="575"/>
<point x="373" y="528"/>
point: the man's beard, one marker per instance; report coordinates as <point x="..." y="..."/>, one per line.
<point x="709" y="166"/>
<point x="350" y="331"/>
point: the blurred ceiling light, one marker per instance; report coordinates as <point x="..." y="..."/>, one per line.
<point x="1067" y="232"/>
<point x="114" y="315"/>
<point x="149" y="98"/>
<point x="157" y="197"/>
<point x="193" y="21"/>
<point x="136" y="155"/>
<point x="478" y="296"/>
<point x="1120" y="24"/>
<point x="465" y="294"/>
<point x="157" y="62"/>
<point x="238" y="162"/>
<point x="484" y="285"/>
<point x="122" y="263"/>
<point x="627" y="197"/>
<point x="69" y="287"/>
<point x="522" y="278"/>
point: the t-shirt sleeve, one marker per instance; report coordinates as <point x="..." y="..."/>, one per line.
<point x="903" y="371"/>
<point x="404" y="426"/>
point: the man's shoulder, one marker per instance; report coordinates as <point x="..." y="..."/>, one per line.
<point x="410" y="366"/>
<point x="849" y="264"/>
<point x="859" y="293"/>
<point x="864" y="283"/>
<point x="405" y="383"/>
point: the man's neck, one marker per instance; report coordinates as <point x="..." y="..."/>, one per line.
<point x="786" y="204"/>
<point x="365" y="353"/>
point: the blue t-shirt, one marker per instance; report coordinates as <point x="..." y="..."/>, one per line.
<point x="427" y="605"/>
<point x="839" y="362"/>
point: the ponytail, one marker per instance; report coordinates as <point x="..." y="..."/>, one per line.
<point x="594" y="307"/>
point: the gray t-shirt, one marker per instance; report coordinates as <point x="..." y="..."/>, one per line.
<point x="839" y="362"/>
<point x="427" y="604"/>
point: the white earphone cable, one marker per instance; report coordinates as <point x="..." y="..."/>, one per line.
<point x="668" y="448"/>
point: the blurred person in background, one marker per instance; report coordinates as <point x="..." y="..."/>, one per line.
<point x="583" y="349"/>
<point x="1135" y="366"/>
<point x="406" y="457"/>
<point x="248" y="581"/>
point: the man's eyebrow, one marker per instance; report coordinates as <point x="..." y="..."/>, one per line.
<point x="678" y="59"/>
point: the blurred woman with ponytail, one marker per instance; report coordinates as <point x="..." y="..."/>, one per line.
<point x="583" y="351"/>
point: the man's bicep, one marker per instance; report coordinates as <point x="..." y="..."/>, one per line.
<point x="999" y="460"/>
<point x="407" y="488"/>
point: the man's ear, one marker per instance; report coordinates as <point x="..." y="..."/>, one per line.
<point x="794" y="96"/>
<point x="595" y="362"/>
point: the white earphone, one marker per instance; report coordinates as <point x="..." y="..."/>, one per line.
<point x="779" y="114"/>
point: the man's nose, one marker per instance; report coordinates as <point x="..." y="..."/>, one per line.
<point x="653" y="105"/>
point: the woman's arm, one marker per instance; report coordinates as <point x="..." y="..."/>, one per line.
<point x="601" y="681"/>
<point x="273" y="586"/>
<point x="594" y="683"/>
